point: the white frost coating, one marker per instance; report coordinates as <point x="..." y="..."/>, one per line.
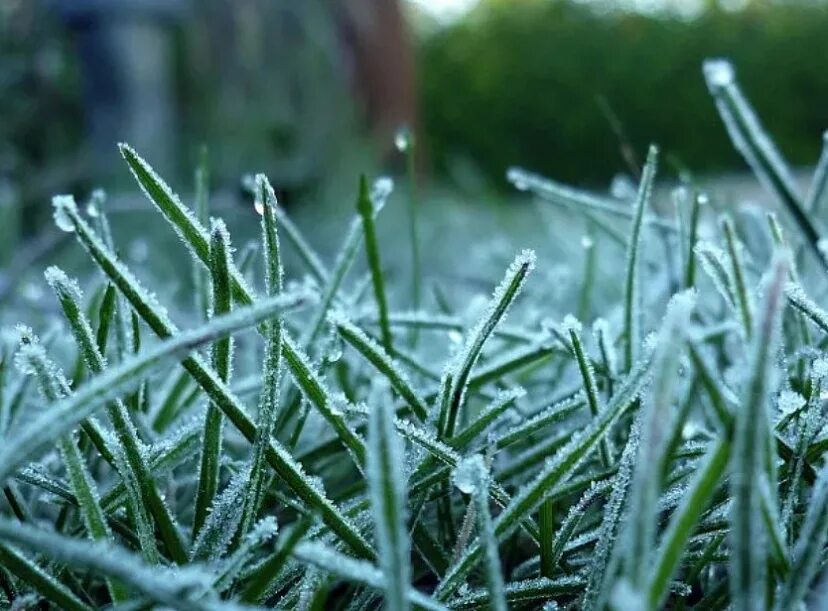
<point x="387" y="487"/>
<point x="351" y="569"/>
<point x="518" y="178"/>
<point x="471" y="473"/>
<point x="819" y="368"/>
<point x="713" y="263"/>
<point x="381" y="191"/>
<point x="799" y="300"/>
<point x="570" y="324"/>
<point x="223" y="520"/>
<point x="745" y="130"/>
<point x="62" y="283"/>
<point x="790" y="402"/>
<point x="626" y="598"/>
<point x="718" y="73"/>
<point x="622" y="187"/>
<point x="62" y="205"/>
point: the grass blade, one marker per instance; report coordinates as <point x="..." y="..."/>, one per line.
<point x="751" y="429"/>
<point x="631" y="296"/>
<point x="388" y="502"/>
<point x="503" y="297"/>
<point x="366" y="213"/>
<point x="756" y="146"/>
<point x="221" y="357"/>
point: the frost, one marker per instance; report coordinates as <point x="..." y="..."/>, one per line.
<point x="380" y="192"/>
<point x="622" y="187"/>
<point x="62" y="205"/>
<point x="470" y="474"/>
<point x="570" y="324"/>
<point x="747" y="133"/>
<point x="718" y="73"/>
<point x="790" y="402"/>
<point x="518" y="178"/>
<point x="96" y="200"/>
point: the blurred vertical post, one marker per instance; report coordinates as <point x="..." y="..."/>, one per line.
<point x="383" y="66"/>
<point x="125" y="49"/>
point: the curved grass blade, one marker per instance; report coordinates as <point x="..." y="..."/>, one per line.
<point x="656" y="421"/>
<point x="737" y="274"/>
<point x="221" y="358"/>
<point x="503" y="297"/>
<point x="366" y="213"/>
<point x="387" y="488"/>
<point x="808" y="549"/>
<point x="380" y="359"/>
<point x="631" y="296"/>
<point x="38" y="434"/>
<point x="750" y="444"/>
<point x="553" y="473"/>
<point x="182" y="589"/>
<point x="357" y="571"/>
<point x="472" y="477"/>
<point x="26" y="570"/>
<point x="272" y="365"/>
<point x="281" y="461"/>
<point x="756" y="146"/>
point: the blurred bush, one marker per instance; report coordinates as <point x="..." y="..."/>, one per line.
<point x="550" y="84"/>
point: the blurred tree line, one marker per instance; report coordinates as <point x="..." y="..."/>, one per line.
<point x="578" y="92"/>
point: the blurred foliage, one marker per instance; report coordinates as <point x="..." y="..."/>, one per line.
<point x="40" y="106"/>
<point x="541" y="83"/>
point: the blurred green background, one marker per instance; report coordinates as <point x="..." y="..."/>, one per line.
<point x="573" y="89"/>
<point x="312" y="91"/>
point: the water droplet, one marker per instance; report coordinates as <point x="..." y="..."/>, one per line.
<point x="518" y="179"/>
<point x="62" y="204"/>
<point x="455" y="336"/>
<point x="587" y="242"/>
<point x="402" y="139"/>
<point x="470" y="473"/>
<point x="258" y="206"/>
<point x="622" y="187"/>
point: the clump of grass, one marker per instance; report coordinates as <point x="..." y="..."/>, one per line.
<point x="529" y="469"/>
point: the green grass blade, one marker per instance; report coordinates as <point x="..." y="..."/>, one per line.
<point x="631" y="293"/>
<point x="503" y="297"/>
<point x="383" y="362"/>
<point x="744" y="307"/>
<point x="39" y="433"/>
<point x="756" y="146"/>
<point x="808" y="549"/>
<point x="281" y="461"/>
<point x="554" y="472"/>
<point x="472" y="477"/>
<point x="656" y="420"/>
<point x="748" y="536"/>
<point x="366" y="213"/>
<point x="221" y="357"/>
<point x="573" y="330"/>
<point x="388" y="503"/>
<point x="272" y="365"/>
<point x="182" y="589"/>
<point x="356" y="571"/>
<point x="819" y="183"/>
<point x="25" y="569"/>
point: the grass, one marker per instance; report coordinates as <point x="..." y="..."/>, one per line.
<point x="445" y="457"/>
